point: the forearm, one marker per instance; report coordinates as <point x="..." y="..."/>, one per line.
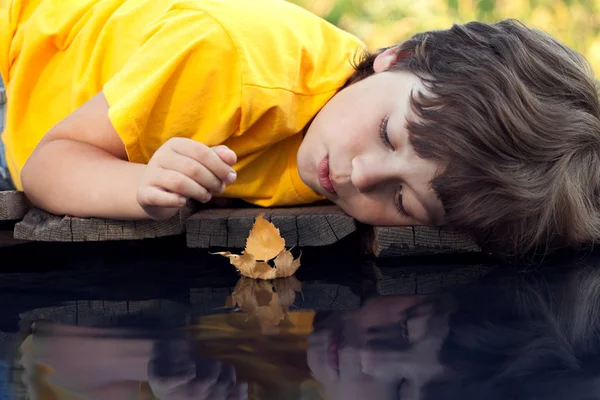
<point x="66" y="177"/>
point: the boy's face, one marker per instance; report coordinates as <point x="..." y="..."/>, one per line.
<point x="347" y="157"/>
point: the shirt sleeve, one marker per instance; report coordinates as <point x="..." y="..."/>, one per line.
<point x="183" y="81"/>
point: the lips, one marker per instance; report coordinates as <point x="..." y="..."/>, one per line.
<point x="324" y="175"/>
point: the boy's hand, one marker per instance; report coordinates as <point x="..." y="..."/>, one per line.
<point x="182" y="169"/>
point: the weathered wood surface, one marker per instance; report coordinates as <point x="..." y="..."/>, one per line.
<point x="299" y="226"/>
<point x="397" y="241"/>
<point x="38" y="225"/>
<point x="229" y="227"/>
<point x="13" y="205"/>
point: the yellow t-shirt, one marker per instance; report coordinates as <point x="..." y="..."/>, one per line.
<point x="250" y="74"/>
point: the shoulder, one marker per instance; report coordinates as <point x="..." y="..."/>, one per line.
<point x="249" y="14"/>
<point x="276" y="40"/>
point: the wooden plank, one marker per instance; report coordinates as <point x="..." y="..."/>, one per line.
<point x="415" y="240"/>
<point x="13" y="205"/>
<point x="38" y="225"/>
<point x="299" y="226"/>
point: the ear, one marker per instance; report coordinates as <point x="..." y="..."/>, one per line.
<point x="386" y="59"/>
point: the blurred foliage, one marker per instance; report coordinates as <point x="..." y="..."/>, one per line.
<point x="382" y="23"/>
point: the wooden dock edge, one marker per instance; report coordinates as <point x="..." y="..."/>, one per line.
<point x="13" y="205"/>
<point x="397" y="241"/>
<point x="299" y="226"/>
<point x="38" y="225"/>
<point x="206" y="228"/>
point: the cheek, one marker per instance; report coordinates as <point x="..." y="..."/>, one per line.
<point x="350" y="366"/>
<point x="373" y="210"/>
<point x="347" y="123"/>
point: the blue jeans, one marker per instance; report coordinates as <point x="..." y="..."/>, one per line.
<point x="5" y="391"/>
<point x="5" y="181"/>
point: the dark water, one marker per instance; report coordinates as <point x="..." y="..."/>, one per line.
<point x="153" y="320"/>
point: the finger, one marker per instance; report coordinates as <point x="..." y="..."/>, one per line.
<point x="165" y="385"/>
<point x="194" y="170"/>
<point x="218" y="384"/>
<point x="207" y="157"/>
<point x="207" y="378"/>
<point x="226" y="154"/>
<point x="180" y="184"/>
<point x="157" y="197"/>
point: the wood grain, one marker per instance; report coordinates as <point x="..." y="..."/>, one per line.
<point x="38" y="225"/>
<point x="384" y="242"/>
<point x="299" y="226"/>
<point x="13" y="205"/>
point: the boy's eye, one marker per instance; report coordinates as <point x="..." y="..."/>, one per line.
<point x="383" y="133"/>
<point x="398" y="203"/>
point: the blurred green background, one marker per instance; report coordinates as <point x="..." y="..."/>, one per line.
<point x="384" y="22"/>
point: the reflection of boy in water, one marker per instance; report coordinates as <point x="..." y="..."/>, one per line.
<point x="524" y="341"/>
<point x="219" y="354"/>
<point x="384" y="350"/>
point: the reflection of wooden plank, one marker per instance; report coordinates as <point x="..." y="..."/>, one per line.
<point x="299" y="226"/>
<point x="324" y="296"/>
<point x="206" y="301"/>
<point x="415" y="240"/>
<point x="13" y="205"/>
<point x="403" y="283"/>
<point x="420" y="280"/>
<point x="7" y="239"/>
<point x="38" y="225"/>
<point x="100" y="313"/>
<point x="314" y="296"/>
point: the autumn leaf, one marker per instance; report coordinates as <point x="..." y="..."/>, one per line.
<point x="286" y="265"/>
<point x="264" y="241"/>
<point x="263" y="244"/>
<point x="267" y="301"/>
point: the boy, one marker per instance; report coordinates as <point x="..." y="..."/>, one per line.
<point x="127" y="108"/>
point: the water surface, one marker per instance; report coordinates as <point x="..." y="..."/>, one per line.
<point x="154" y="320"/>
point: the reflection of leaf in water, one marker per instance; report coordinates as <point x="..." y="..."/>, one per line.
<point x="286" y="290"/>
<point x="268" y="301"/>
<point x="270" y="315"/>
<point x="264" y="243"/>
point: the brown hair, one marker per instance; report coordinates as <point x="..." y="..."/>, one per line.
<point x="513" y="116"/>
<point x="531" y="336"/>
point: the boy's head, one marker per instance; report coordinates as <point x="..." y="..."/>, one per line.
<point x="493" y="129"/>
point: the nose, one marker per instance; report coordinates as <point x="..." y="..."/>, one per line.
<point x="369" y="173"/>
